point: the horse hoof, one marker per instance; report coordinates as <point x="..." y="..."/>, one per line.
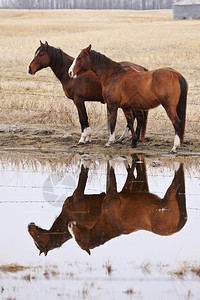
<point x="173" y="151"/>
<point x="88" y="142"/>
<point x="133" y="146"/>
<point x="119" y="142"/>
<point x="106" y="145"/>
<point x="80" y="143"/>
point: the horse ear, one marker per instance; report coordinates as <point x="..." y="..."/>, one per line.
<point x="88" y="48"/>
<point x="46" y="45"/>
<point x="41" y="43"/>
<point x="87" y="250"/>
<point x="45" y="251"/>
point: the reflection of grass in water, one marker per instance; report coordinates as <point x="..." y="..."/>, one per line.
<point x="129" y="292"/>
<point x="54" y="162"/>
<point x="184" y="268"/>
<point x="13" y="268"/>
<point x="108" y="268"/>
<point x="85" y="292"/>
<point x="35" y="162"/>
<point x="48" y="272"/>
<point x="180" y="272"/>
<point x="146" y="268"/>
<point x="196" y="270"/>
<point x="50" y="162"/>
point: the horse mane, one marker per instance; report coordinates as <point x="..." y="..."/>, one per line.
<point x="56" y="55"/>
<point x="101" y="58"/>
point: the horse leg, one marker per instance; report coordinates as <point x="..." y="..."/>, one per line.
<point x="79" y="191"/>
<point x="130" y="119"/>
<point x="141" y="116"/>
<point x="112" y="112"/>
<point x="176" y="122"/>
<point x="134" y="136"/>
<point x="83" y="118"/>
<point x="144" y="126"/>
<point x="111" y="179"/>
<point x="129" y="179"/>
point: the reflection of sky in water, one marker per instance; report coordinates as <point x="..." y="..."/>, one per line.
<point x="22" y="201"/>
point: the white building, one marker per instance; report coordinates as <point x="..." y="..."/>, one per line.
<point x="186" y="9"/>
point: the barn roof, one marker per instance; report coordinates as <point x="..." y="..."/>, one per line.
<point x="187" y="2"/>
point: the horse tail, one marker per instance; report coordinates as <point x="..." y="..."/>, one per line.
<point x="181" y="108"/>
<point x="181" y="197"/>
<point x="144" y="125"/>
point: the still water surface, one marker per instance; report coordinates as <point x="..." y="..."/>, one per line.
<point x="137" y="217"/>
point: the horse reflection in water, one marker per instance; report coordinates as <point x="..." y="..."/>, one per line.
<point x="95" y="219"/>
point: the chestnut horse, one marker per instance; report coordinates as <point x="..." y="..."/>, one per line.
<point x="85" y="88"/>
<point x="95" y="219"/>
<point x="139" y="90"/>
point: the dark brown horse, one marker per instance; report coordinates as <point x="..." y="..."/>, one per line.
<point x="95" y="219"/>
<point x="85" y="88"/>
<point x="139" y="90"/>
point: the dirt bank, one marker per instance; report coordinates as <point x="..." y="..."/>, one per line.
<point x="49" y="139"/>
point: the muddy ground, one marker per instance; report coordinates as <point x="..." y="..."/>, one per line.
<point x="44" y="138"/>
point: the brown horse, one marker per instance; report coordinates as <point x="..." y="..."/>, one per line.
<point x="138" y="90"/>
<point x="95" y="219"/>
<point x="85" y="88"/>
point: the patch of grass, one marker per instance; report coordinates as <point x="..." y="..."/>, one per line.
<point x="189" y="295"/>
<point x="12" y="268"/>
<point x="146" y="268"/>
<point x="181" y="270"/>
<point x="46" y="274"/>
<point x="129" y="292"/>
<point x="108" y="268"/>
<point x="196" y="270"/>
<point x="85" y="292"/>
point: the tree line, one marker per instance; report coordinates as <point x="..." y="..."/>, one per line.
<point x="88" y="4"/>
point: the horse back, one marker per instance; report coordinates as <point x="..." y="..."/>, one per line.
<point x="132" y="65"/>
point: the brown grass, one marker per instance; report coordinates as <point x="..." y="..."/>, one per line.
<point x="129" y="292"/>
<point x="108" y="268"/>
<point x="12" y="268"/>
<point x="196" y="270"/>
<point x="149" y="38"/>
<point x="185" y="268"/>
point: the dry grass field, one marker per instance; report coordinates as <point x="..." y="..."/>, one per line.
<point x="150" y="38"/>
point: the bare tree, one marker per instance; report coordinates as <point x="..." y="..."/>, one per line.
<point x="88" y="4"/>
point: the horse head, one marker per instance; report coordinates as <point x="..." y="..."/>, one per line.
<point x="78" y="209"/>
<point x="46" y="240"/>
<point x="40" y="237"/>
<point x="81" y="63"/>
<point x="41" y="59"/>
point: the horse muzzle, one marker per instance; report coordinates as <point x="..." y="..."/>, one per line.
<point x="31" y="71"/>
<point x="30" y="225"/>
